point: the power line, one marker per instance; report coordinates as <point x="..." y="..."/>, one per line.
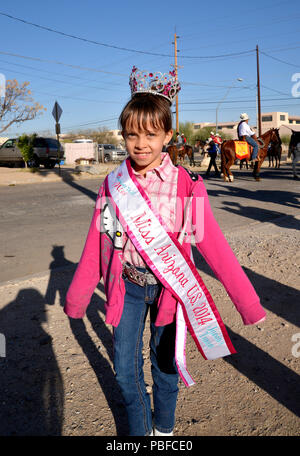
<point x="118" y="47"/>
<point x="106" y="89"/>
<point x="54" y="73"/>
<point x="76" y="67"/>
<point x="237" y="101"/>
<point x="279" y="60"/>
<point x="91" y="123"/>
<point x="94" y="70"/>
<point x="274" y="90"/>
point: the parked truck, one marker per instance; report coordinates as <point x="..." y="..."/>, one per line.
<point x="46" y="151"/>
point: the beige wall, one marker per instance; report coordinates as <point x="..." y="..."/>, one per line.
<point x="79" y="150"/>
<point x="277" y="120"/>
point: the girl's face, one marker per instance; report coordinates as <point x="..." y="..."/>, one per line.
<point x="144" y="146"/>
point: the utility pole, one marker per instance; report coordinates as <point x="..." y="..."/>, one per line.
<point x="176" y="77"/>
<point x="258" y="93"/>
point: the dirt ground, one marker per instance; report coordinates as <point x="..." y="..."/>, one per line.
<point x="56" y="375"/>
<point x="14" y="176"/>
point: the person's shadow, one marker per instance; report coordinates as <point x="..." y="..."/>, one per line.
<point x="59" y="283"/>
<point x="268" y="373"/>
<point x="59" y="267"/>
<point x="31" y="386"/>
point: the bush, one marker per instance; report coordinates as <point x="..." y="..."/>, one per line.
<point x="285" y="139"/>
<point x="25" y="144"/>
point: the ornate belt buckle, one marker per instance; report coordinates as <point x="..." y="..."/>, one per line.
<point x="135" y="276"/>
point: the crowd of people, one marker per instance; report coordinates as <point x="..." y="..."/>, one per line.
<point x="244" y="133"/>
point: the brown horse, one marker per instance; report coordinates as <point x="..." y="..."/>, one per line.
<point x="181" y="153"/>
<point x="275" y="151"/>
<point x="228" y="154"/>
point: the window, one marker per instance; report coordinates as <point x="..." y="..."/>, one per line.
<point x="52" y="143"/>
<point x="196" y="127"/>
<point x="266" y="118"/>
<point x="39" y="142"/>
<point x="282" y="117"/>
<point x="10" y="143"/>
<point x="109" y="146"/>
<point x="297" y="121"/>
<point x="290" y="121"/>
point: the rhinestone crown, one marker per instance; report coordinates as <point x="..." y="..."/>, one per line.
<point x="164" y="84"/>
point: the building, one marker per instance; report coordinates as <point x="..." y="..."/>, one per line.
<point x="278" y="119"/>
<point x="281" y="120"/>
<point x="3" y="139"/>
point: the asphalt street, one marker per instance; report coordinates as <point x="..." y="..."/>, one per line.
<point x="44" y="226"/>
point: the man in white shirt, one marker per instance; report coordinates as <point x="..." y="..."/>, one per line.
<point x="179" y="142"/>
<point x="246" y="134"/>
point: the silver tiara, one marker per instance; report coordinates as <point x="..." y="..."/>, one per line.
<point x="164" y="84"/>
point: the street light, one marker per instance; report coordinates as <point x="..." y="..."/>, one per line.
<point x="238" y="79"/>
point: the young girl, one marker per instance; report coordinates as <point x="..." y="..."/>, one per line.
<point x="139" y="241"/>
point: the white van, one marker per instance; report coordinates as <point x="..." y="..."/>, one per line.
<point x="82" y="141"/>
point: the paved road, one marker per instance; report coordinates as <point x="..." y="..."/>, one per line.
<point x="44" y="226"/>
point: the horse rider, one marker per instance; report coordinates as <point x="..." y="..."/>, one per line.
<point x="179" y="141"/>
<point x="218" y="139"/>
<point x="212" y="151"/>
<point x="246" y="134"/>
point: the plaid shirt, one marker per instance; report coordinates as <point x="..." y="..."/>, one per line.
<point x="160" y="184"/>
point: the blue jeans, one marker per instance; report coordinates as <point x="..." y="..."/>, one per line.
<point x="128" y="362"/>
<point x="252" y="143"/>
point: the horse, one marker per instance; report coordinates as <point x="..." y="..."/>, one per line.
<point x="173" y="152"/>
<point x="295" y="139"/>
<point x="189" y="151"/>
<point x="228" y="154"/>
<point x="200" y="144"/>
<point x="203" y="145"/>
<point x="181" y="153"/>
<point x="275" y="151"/>
<point x="294" y="151"/>
<point x="244" y="161"/>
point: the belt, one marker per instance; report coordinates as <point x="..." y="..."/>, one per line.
<point x="138" y="277"/>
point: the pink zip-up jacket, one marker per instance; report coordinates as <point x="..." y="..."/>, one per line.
<point x="101" y="259"/>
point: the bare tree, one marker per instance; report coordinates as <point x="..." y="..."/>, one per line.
<point x="18" y="105"/>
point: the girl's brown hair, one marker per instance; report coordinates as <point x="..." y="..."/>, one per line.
<point x="144" y="108"/>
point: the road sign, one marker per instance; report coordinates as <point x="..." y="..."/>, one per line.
<point x="56" y="112"/>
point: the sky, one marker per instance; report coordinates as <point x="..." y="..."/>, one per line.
<point x="88" y="73"/>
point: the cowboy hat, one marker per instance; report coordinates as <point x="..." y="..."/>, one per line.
<point x="244" y="116"/>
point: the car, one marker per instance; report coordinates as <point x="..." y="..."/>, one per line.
<point x="46" y="151"/>
<point x="83" y="140"/>
<point x="110" y="153"/>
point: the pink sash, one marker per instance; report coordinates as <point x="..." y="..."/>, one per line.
<point x="173" y="268"/>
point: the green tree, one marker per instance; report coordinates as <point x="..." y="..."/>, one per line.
<point x="104" y="136"/>
<point x="203" y="134"/>
<point x="285" y="139"/>
<point x="25" y="144"/>
<point x="188" y="130"/>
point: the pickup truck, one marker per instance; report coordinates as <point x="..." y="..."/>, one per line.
<point x="110" y="153"/>
<point x="47" y="152"/>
